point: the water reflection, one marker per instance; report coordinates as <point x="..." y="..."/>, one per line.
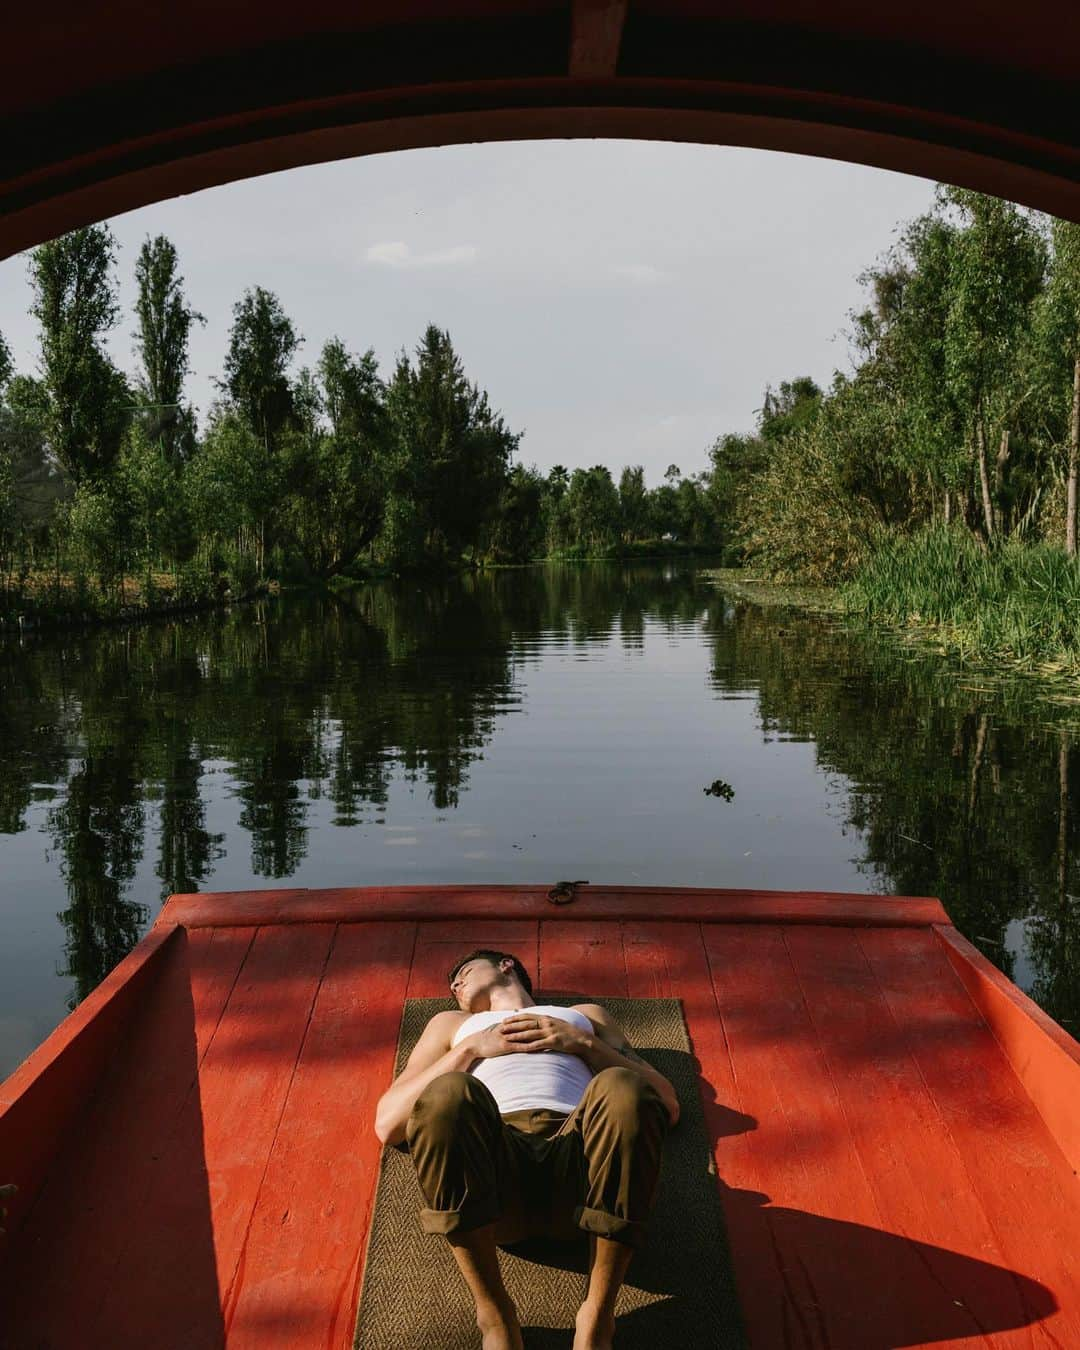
<point x="276" y="737"/>
<point x="956" y="790"/>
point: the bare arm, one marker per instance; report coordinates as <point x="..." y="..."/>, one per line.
<point x="432" y="1055"/>
<point x="609" y="1048"/>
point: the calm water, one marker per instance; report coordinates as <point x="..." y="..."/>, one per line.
<point x="526" y="726"/>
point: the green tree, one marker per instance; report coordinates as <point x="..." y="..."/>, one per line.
<point x="734" y="461"/>
<point x="161" y="342"/>
<point x="262" y="342"/>
<point x="789" y="408"/>
<point x="335" y="493"/>
<point x="592" y="508"/>
<point x="1060" y="350"/>
<point x="232" y="488"/>
<point x="633" y="505"/>
<point x="517" y="531"/>
<point x="556" y="523"/>
<point x="151" y="481"/>
<point x="36" y="481"/>
<point x="997" y="271"/>
<point x="75" y="304"/>
<point x="448" y="455"/>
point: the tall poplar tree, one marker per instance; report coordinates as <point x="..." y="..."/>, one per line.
<point x="262" y="342"/>
<point x="75" y="303"/>
<point x="161" y="339"/>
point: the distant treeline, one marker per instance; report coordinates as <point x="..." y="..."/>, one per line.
<point x="106" y="475"/>
<point x="960" y="413"/>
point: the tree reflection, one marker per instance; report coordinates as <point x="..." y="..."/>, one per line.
<point x="955" y="790"/>
<point x="98" y="829"/>
<point x="952" y="791"/>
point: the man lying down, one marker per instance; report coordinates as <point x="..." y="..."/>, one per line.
<point x="522" y="1120"/>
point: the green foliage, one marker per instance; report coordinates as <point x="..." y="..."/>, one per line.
<point x="334" y="492"/>
<point x="161" y="339"/>
<point x="153" y="487"/>
<point x="633" y="502"/>
<point x="98" y="524"/>
<point x="958" y="408"/>
<point x="1016" y="602"/>
<point x="87" y="397"/>
<point x="448" y="453"/>
<point x="996" y="270"/>
<point x="589" y="514"/>
<point x="233" y="481"/>
<point x="792" y="407"/>
<point x="262" y="343"/>
<point x="517" y="532"/>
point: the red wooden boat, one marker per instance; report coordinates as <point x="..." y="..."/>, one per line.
<point x="895" y="1124"/>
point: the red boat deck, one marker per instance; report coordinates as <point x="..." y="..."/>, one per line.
<point x="894" y="1124"/>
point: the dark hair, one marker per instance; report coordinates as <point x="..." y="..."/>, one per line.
<point x="494" y="958"/>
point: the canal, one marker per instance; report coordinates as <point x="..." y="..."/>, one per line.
<point x="620" y="724"/>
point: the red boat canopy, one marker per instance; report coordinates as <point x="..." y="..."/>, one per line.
<point x="106" y="107"/>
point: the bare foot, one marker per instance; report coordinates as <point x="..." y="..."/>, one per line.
<point x="499" y="1329"/>
<point x="594" y="1330"/>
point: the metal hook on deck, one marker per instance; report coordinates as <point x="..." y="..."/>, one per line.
<point x="563" y="892"/>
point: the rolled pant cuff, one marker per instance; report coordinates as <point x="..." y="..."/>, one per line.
<point x="447" y="1221"/>
<point x="631" y="1232"/>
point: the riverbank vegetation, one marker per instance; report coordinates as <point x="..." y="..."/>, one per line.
<point x="113" y="494"/>
<point x="935" y="484"/>
<point x="932" y="485"/>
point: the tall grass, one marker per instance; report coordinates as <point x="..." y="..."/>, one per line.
<point x="1014" y="602"/>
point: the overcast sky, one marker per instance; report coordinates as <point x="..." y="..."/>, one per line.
<point x="621" y="302"/>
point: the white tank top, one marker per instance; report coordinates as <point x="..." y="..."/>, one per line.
<point x="522" y="1082"/>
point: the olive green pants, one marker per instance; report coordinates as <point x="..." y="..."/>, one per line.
<point x="538" y="1173"/>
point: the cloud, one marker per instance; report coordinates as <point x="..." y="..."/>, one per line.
<point x="399" y="254"/>
<point x="643" y="273"/>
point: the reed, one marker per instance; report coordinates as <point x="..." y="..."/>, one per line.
<point x="1012" y="602"/>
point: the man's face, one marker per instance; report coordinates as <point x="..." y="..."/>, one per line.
<point x="473" y="983"/>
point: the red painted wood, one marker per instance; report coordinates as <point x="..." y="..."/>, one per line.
<point x="1023" y="1182"/>
<point x="878" y="1155"/>
<point x="427" y="903"/>
<point x="819" y="1206"/>
<point x="958" y="1285"/>
<point x="586" y="961"/>
<point x="228" y="908"/>
<point x="297" y="1279"/>
<point x="443" y="942"/>
<point x="667" y="960"/>
<point x="42" y="1101"/>
<point x="243" y="1084"/>
<point x="163" y="1140"/>
<point x="215" y="968"/>
<point x="1043" y="1055"/>
<point x="90" y="1220"/>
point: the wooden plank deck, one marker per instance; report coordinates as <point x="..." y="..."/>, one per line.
<point x="887" y="1179"/>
